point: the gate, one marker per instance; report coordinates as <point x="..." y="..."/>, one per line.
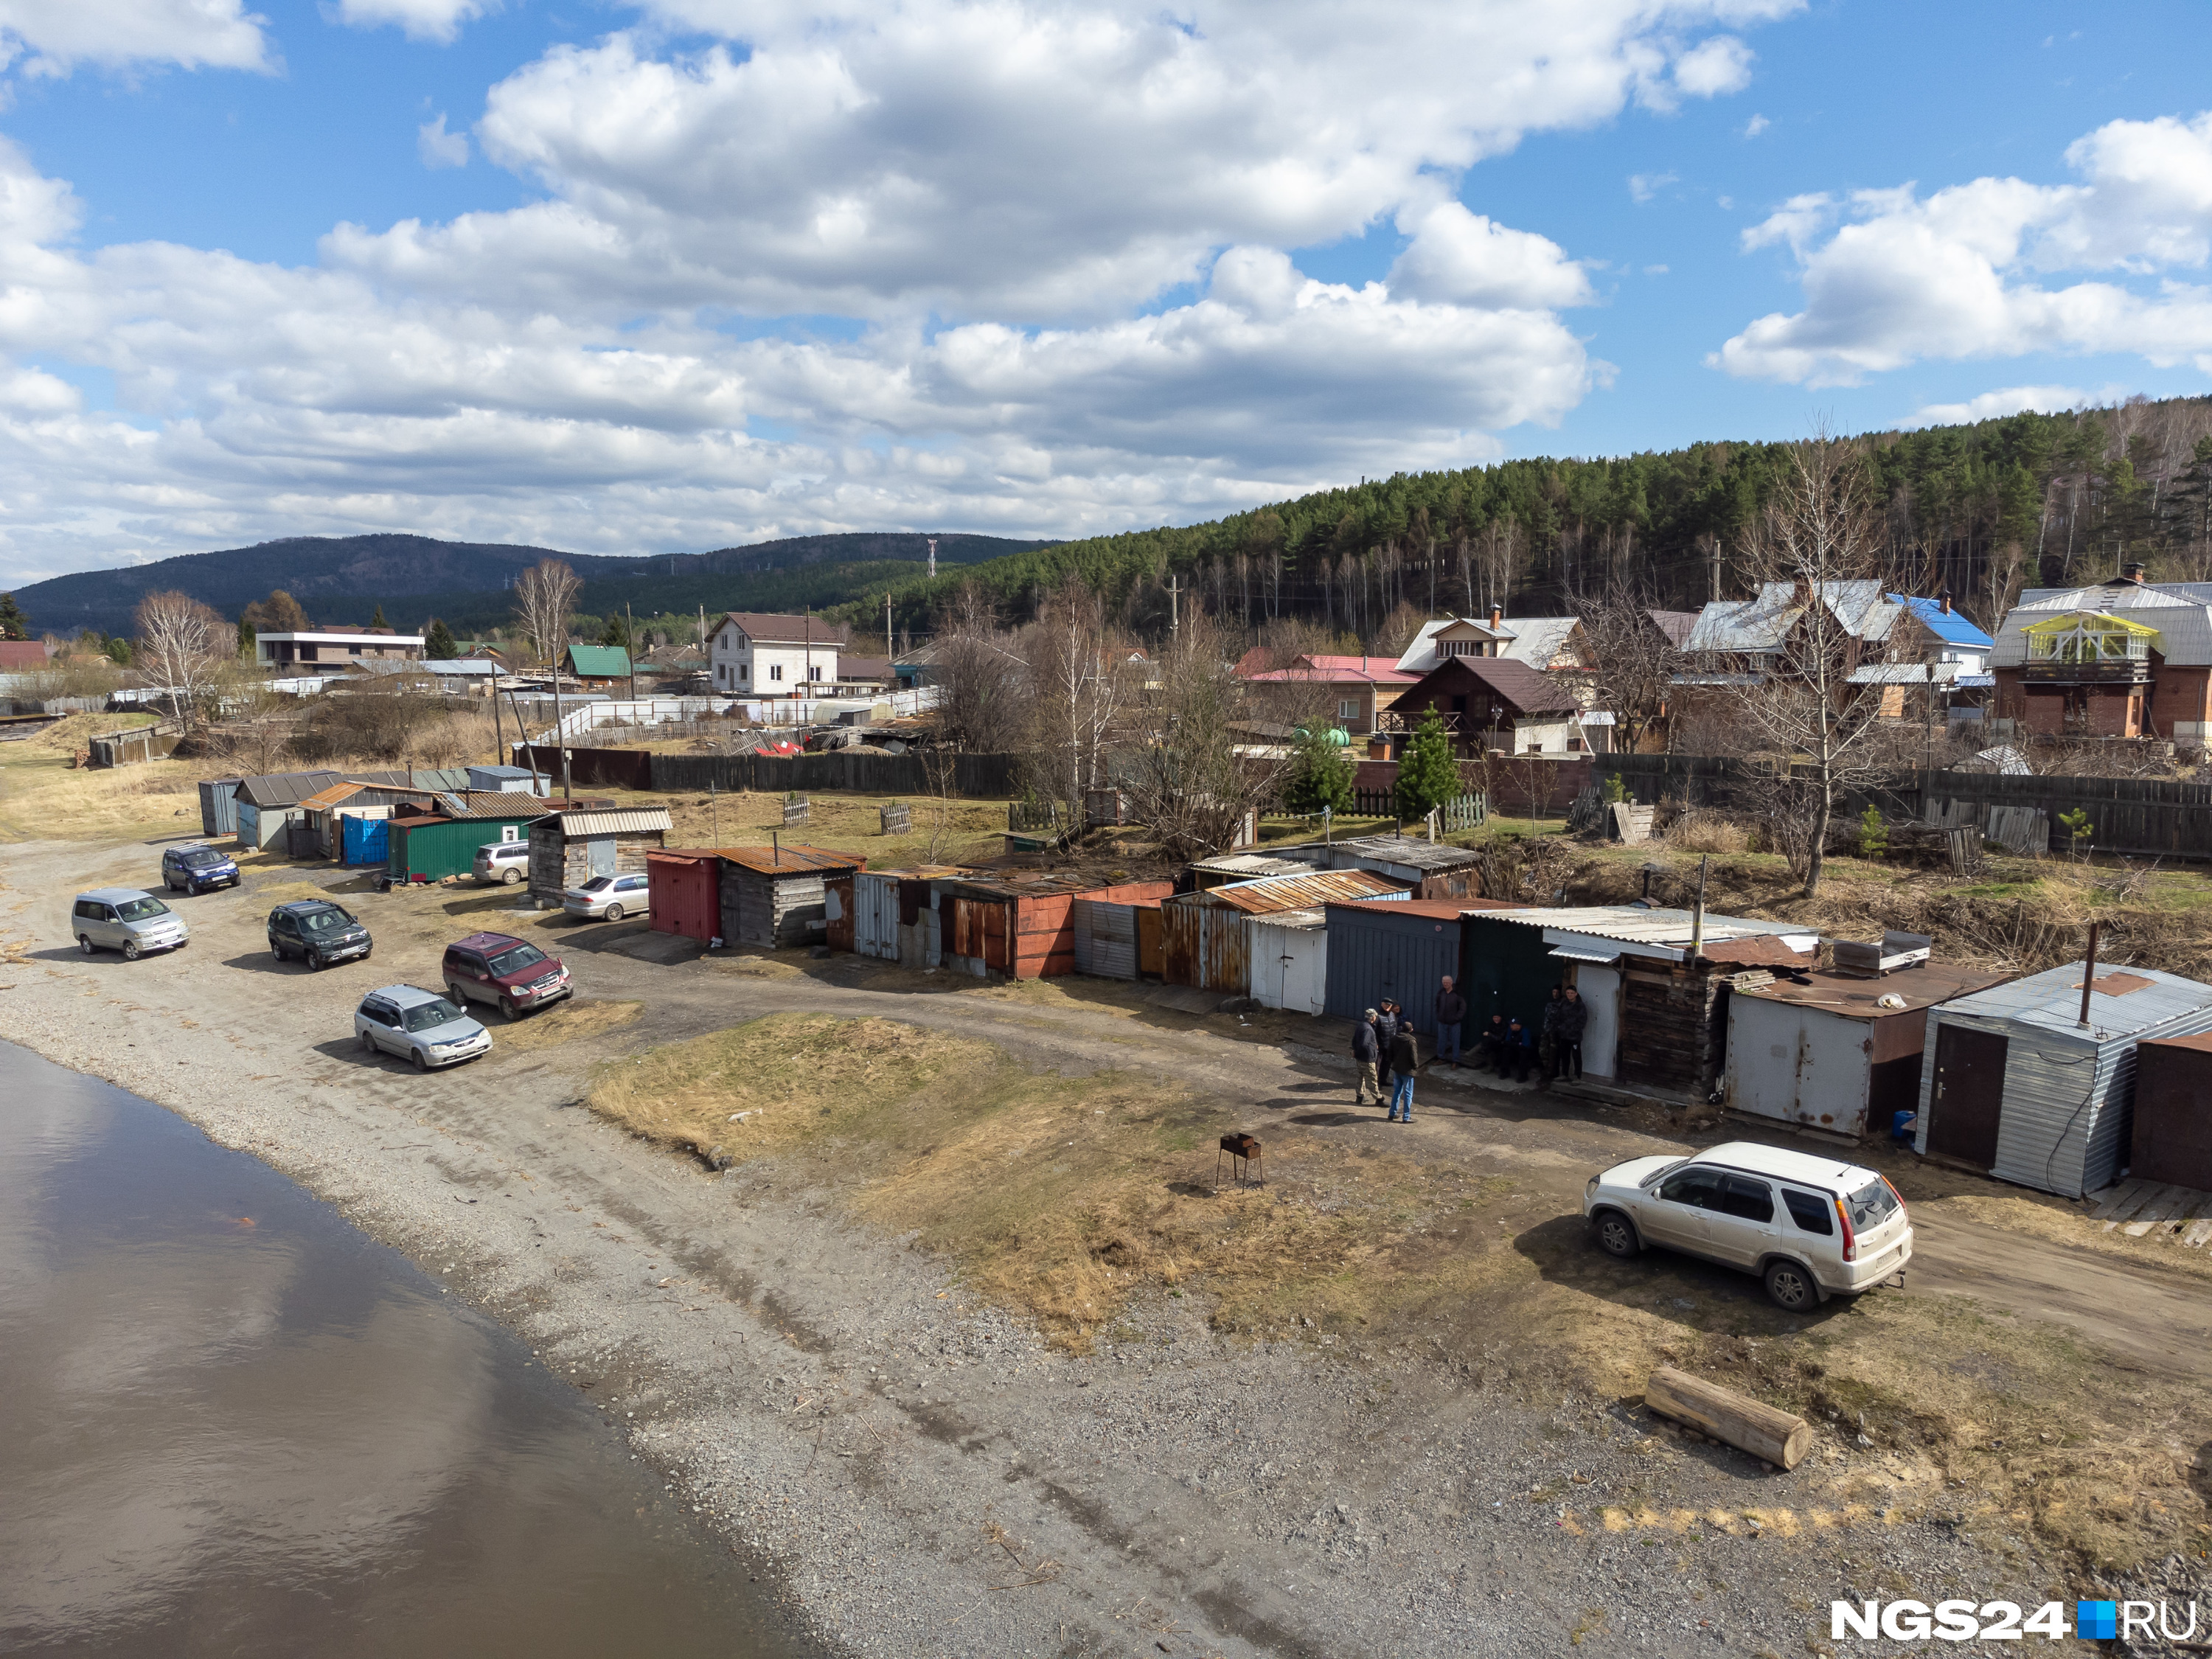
<point x="1105" y="939"/>
<point x="364" y="841"/>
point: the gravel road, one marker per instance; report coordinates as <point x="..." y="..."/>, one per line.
<point x="915" y="1474"/>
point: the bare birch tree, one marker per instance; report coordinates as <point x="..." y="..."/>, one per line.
<point x="1077" y="672"/>
<point x="183" y="645"/>
<point x="1194" y="771"/>
<point x="545" y="598"/>
<point x="1636" y="660"/>
<point x="1820" y="567"/>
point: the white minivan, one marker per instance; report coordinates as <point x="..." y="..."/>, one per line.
<point x="1811" y="1227"/>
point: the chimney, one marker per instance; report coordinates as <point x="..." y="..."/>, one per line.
<point x="1944" y="600"/>
<point x="1497" y="617"/>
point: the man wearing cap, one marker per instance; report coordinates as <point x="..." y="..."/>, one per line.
<point x="1366" y="1050"/>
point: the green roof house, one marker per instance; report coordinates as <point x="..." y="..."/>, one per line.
<point x="597" y="663"/>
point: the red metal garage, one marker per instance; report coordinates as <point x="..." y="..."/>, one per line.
<point x="687" y="894"/>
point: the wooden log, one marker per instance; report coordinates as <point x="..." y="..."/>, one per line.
<point x="1774" y="1436"/>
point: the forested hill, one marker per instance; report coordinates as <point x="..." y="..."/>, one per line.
<point x="1981" y="510"/>
<point x="340" y="580"/>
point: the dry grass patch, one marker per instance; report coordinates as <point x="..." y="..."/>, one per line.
<point x="44" y="797"/>
<point x="567" y="1021"/>
<point x="72" y="731"/>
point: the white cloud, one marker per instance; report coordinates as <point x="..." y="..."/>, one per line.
<point x="1891" y="277"/>
<point x="1757" y="124"/>
<point x="2012" y="400"/>
<point x="1642" y="186"/>
<point x="977" y="205"/>
<point x="419" y="20"/>
<point x="439" y="148"/>
<point x="53" y="36"/>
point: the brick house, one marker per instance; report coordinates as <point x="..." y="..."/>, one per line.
<point x="2124" y="658"/>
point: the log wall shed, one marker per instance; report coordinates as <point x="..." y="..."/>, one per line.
<point x="1827" y="1055"/>
<point x="1206" y="939"/>
<point x="1020" y="923"/>
<point x="2016" y="1085"/>
<point x="567" y="848"/>
<point x="776" y="897"/>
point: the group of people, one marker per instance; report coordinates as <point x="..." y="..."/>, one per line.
<point x="1383" y="1047"/>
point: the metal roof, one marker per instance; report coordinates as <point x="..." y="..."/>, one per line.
<point x="1947" y="626"/>
<point x="1443" y="909"/>
<point x="1537" y="641"/>
<point x="1406" y="850"/>
<point x="285" y="788"/>
<point x="2052" y="1002"/>
<point x="1299" y="892"/>
<point x="1651" y="932"/>
<point x="1902" y="673"/>
<point x="324" y="799"/>
<point x="498" y="803"/>
<point x="619" y="821"/>
<point x="458" y="665"/>
<point x="1853" y="997"/>
<point x="1249" y="864"/>
<point x="2183" y="617"/>
<point x="599" y="662"/>
<point x="789" y="859"/>
<point x="1762" y="623"/>
<point x="1303" y="918"/>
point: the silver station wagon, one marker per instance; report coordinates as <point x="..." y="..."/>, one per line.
<point x="124" y="919"/>
<point x="1810" y="1226"/>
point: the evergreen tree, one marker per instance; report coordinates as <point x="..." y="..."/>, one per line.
<point x="438" y="644"/>
<point x="246" y="637"/>
<point x="118" y="650"/>
<point x="377" y="621"/>
<point x="1323" y="774"/>
<point x="14" y="624"/>
<point x="1428" y="775"/>
<point x="617" y="632"/>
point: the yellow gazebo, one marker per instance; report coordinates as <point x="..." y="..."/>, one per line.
<point x="2086" y="639"/>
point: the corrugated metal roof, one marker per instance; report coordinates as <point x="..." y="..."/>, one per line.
<point x="1248" y="865"/>
<point x="1445" y="910"/>
<point x="2052" y="1002"/>
<point x="1663" y="931"/>
<point x="599" y="662"/>
<point x="1902" y="673"/>
<point x="1299" y="892"/>
<point x="790" y="859"/>
<point x="1537" y="640"/>
<point x="1949" y="626"/>
<point x="285" y="788"/>
<point x="1762" y="623"/>
<point x="619" y="821"/>
<point x="1850" y="997"/>
<point x="2182" y="618"/>
<point x="1293" y="919"/>
<point x="1408" y="851"/>
<point x="324" y="799"/>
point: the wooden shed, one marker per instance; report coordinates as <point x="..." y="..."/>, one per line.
<point x="2172" y="1142"/>
<point x="895" y="915"/>
<point x="567" y="848"/>
<point x="2018" y="1084"/>
<point x="1207" y="937"/>
<point x="777" y="897"/>
<point x="1839" y="1052"/>
<point x="1020" y="923"/>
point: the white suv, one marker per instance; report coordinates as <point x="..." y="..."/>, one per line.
<point x="507" y="861"/>
<point x="1811" y="1227"/>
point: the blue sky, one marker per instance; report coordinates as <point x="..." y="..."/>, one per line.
<point x="658" y="276"/>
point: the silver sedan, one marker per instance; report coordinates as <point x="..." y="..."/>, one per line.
<point x="608" y="898"/>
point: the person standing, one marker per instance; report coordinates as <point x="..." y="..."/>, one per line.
<point x="1386" y="1032"/>
<point x="1574" y="1020"/>
<point x="1405" y="1060"/>
<point x="1451" y="1013"/>
<point x="1548" y="1040"/>
<point x="1366" y="1054"/>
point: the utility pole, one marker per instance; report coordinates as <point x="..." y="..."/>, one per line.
<point x="887" y="632"/>
<point x="1716" y="570"/>
<point x="629" y="650"/>
<point x="933" y="558"/>
<point x="1175" y="607"/>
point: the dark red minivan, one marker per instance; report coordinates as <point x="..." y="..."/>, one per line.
<point x="500" y="969"/>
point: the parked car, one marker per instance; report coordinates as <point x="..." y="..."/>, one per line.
<point x="608" y="898"/>
<point x="124" y="919"/>
<point x="510" y="972"/>
<point x="507" y="861"/>
<point x="317" y="932"/>
<point x="196" y="868"/>
<point x="1812" y="1227"/>
<point x="418" y="1026"/>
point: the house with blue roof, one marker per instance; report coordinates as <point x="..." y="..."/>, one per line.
<point x="1948" y="637"/>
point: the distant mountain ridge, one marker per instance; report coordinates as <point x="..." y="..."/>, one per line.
<point x="341" y="579"/>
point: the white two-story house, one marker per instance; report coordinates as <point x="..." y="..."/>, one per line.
<point x="753" y="655"/>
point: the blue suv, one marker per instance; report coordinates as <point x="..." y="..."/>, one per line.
<point x="194" y="869"/>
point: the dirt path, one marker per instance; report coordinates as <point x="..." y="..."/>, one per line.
<point x="916" y="1470"/>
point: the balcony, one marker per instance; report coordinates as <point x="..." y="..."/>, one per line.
<point x="2127" y="672"/>
<point x="2089" y="648"/>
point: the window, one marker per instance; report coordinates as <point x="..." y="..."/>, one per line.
<point x="744" y="671"/>
<point x="86" y="908"/>
<point x="1348" y="709"/>
<point x="1746" y="1199"/>
<point x="775" y="671"/>
<point x="1812" y="1215"/>
<point x="378" y="1013"/>
<point x="1698" y="1189"/>
<point x="510" y="832"/>
<point x="324" y="921"/>
<point x="1873" y="1204"/>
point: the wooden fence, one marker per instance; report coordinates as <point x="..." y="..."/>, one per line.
<point x="973" y="776"/>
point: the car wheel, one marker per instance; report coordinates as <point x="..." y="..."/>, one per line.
<point x="507" y="1009"/>
<point x="508" y="877"/>
<point x="614" y="913"/>
<point x="1791" y="1286"/>
<point x="84" y="943"/>
<point x="421" y="1060"/>
<point x="276" y="950"/>
<point x="368" y="1043"/>
<point x="1616" y="1234"/>
<point x="315" y="962"/>
<point x="455" y="995"/>
<point x="131" y="949"/>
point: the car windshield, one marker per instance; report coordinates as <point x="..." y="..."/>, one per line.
<point x="1873" y="1204"/>
<point x="428" y="1015"/>
<point x="200" y="860"/>
<point x="325" y="922"/>
<point x="1656" y="1175"/>
<point x="514" y="961"/>
<point x="142" y="909"/>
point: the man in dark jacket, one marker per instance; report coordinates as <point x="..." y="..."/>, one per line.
<point x="1386" y="1032"/>
<point x="1520" y="1048"/>
<point x="1548" y="1040"/>
<point x="1573" y="1021"/>
<point x="1366" y="1050"/>
<point x="1494" y="1044"/>
<point x="1405" y="1060"/>
<point x="1451" y="1013"/>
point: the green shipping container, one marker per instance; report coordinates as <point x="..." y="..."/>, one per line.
<point x="433" y="848"/>
<point x="1510" y="970"/>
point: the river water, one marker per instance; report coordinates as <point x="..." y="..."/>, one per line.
<point x="231" y="1422"/>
